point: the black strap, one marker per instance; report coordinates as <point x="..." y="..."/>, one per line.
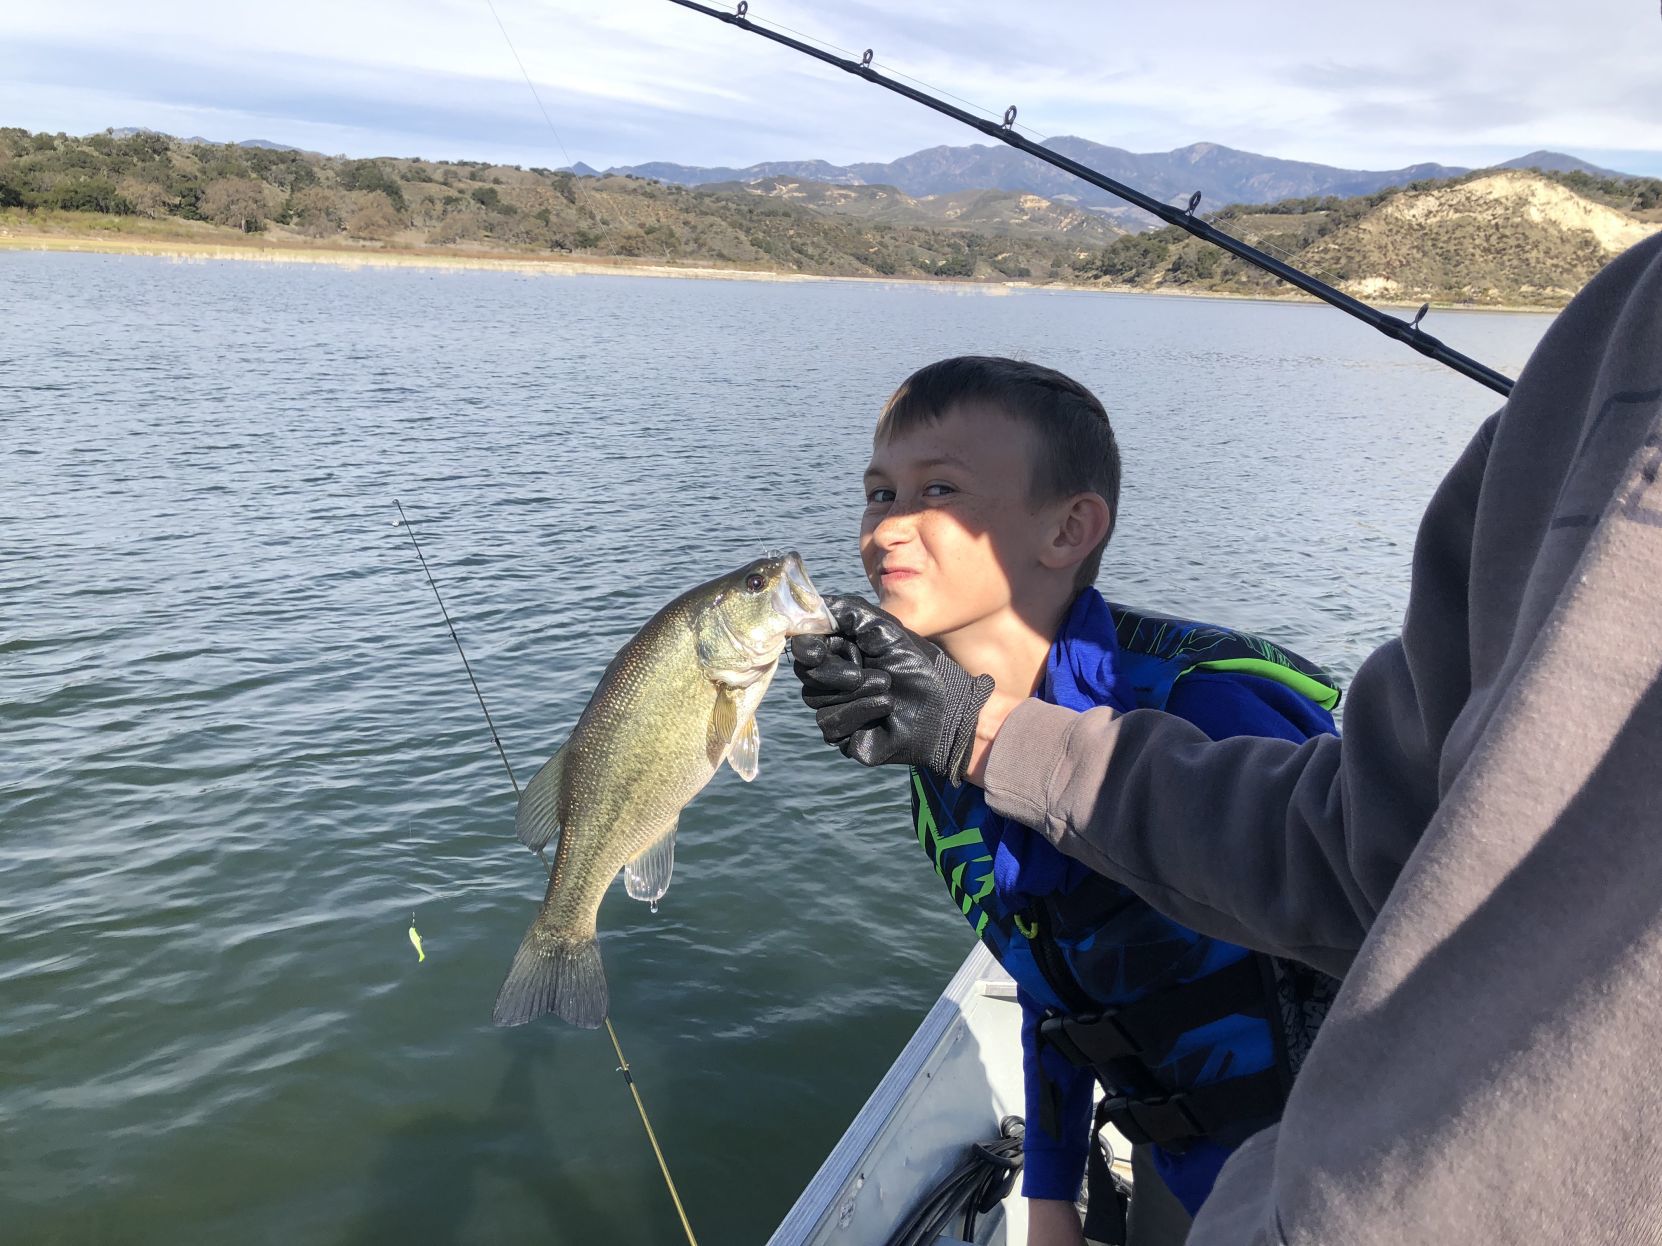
<point x="1226" y="1112"/>
<point x="1107" y="1196"/>
<point x="1147" y="1029"/>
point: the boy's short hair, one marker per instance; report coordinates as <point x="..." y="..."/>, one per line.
<point x="1076" y="450"/>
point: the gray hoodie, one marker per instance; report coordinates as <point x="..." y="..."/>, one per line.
<point x="1480" y="857"/>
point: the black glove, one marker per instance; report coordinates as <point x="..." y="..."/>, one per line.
<point x="884" y="695"/>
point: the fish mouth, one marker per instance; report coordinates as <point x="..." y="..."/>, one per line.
<point x="799" y="603"/>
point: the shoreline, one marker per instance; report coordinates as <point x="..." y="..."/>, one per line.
<point x="291" y="252"/>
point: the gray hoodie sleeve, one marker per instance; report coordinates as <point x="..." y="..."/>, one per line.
<point x="1487" y="1073"/>
<point x="1250" y="839"/>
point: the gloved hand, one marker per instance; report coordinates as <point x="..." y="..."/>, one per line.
<point x="884" y="695"/>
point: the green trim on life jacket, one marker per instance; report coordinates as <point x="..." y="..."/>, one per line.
<point x="937" y="845"/>
<point x="1324" y="695"/>
<point x="1157" y="650"/>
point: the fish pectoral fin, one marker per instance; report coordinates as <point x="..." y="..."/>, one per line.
<point x="646" y="874"/>
<point x="746" y="755"/>
<point x="537" y="819"/>
<point x="724" y="724"/>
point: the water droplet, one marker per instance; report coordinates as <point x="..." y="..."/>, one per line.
<point x="653" y="905"/>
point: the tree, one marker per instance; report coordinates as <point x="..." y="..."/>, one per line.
<point x="85" y="194"/>
<point x="147" y="198"/>
<point x="374" y="218"/>
<point x="237" y="201"/>
<point x="368" y="175"/>
<point x="317" y="212"/>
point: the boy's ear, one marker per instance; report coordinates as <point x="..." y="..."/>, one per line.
<point x="1081" y="522"/>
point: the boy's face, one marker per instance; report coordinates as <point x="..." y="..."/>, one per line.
<point x="949" y="537"/>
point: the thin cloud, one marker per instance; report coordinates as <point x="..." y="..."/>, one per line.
<point x="638" y="80"/>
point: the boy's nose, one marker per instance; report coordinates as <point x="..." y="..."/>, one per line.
<point x="894" y="528"/>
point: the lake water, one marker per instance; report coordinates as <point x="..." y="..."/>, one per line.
<point x="237" y="749"/>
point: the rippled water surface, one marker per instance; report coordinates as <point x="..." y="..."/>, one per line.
<point x="239" y="750"/>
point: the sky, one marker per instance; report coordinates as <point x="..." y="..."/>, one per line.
<point x="1372" y="85"/>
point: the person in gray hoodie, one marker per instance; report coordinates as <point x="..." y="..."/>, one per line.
<point x="1479" y="858"/>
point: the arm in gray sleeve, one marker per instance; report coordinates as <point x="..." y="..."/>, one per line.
<point x="1289" y="848"/>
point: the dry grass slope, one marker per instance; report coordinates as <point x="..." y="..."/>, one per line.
<point x="1510" y="238"/>
<point x="1496" y="237"/>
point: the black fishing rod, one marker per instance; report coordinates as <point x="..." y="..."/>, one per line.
<point x="1407" y="332"/>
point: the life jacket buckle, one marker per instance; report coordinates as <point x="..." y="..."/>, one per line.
<point x="1091" y="1040"/>
<point x="1164" y="1120"/>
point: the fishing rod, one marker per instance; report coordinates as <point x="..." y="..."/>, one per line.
<point x="1407" y="332"/>
<point x="623" y="1066"/>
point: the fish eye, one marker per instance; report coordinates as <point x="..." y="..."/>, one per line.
<point x="754" y="582"/>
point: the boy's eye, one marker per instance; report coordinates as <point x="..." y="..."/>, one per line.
<point x="877" y="496"/>
<point x="937" y="490"/>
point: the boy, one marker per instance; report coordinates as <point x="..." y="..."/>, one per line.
<point x="991" y="494"/>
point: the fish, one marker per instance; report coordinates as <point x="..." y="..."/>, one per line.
<point x="677" y="701"/>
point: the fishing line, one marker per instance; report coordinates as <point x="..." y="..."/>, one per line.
<point x="570" y="163"/>
<point x="491" y="5"/>
<point x="890" y="69"/>
<point x="623" y="1064"/>
<point x="1407" y="332"/>
<point x="1257" y="240"/>
<point x="404" y="522"/>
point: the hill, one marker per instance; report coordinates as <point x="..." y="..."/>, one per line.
<point x="1492" y="237"/>
<point x="156" y="183"/>
<point x="1495" y="237"/>
<point x="1222" y="174"/>
<point x="1006" y="213"/>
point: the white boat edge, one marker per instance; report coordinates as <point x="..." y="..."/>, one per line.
<point x="951" y="1084"/>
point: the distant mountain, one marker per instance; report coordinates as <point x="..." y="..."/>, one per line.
<point x="1558" y="162"/>
<point x="807" y="170"/>
<point x="1223" y="175"/>
<point x="1002" y="213"/>
<point x="197" y="140"/>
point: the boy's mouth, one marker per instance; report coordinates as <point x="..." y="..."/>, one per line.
<point x="890" y="576"/>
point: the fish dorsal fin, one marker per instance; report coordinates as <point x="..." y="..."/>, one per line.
<point x="746" y="757"/>
<point x="724" y="724"/>
<point x="646" y="874"/>
<point x="538" y="818"/>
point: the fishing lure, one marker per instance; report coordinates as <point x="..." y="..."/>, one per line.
<point x="415" y="941"/>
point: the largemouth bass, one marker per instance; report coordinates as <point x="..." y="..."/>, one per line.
<point x="679" y="699"/>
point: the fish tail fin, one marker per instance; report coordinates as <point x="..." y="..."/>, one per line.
<point x="554" y="972"/>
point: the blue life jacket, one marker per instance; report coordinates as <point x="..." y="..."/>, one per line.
<point x="1182" y="1030"/>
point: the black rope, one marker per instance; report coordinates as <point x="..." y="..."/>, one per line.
<point x="1410" y="334"/>
<point x="982" y="1181"/>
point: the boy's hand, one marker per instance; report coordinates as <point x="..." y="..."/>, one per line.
<point x="884" y="695"/>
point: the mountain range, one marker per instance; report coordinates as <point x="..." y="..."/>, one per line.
<point x="1223" y="175"/>
<point x="1511" y="235"/>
